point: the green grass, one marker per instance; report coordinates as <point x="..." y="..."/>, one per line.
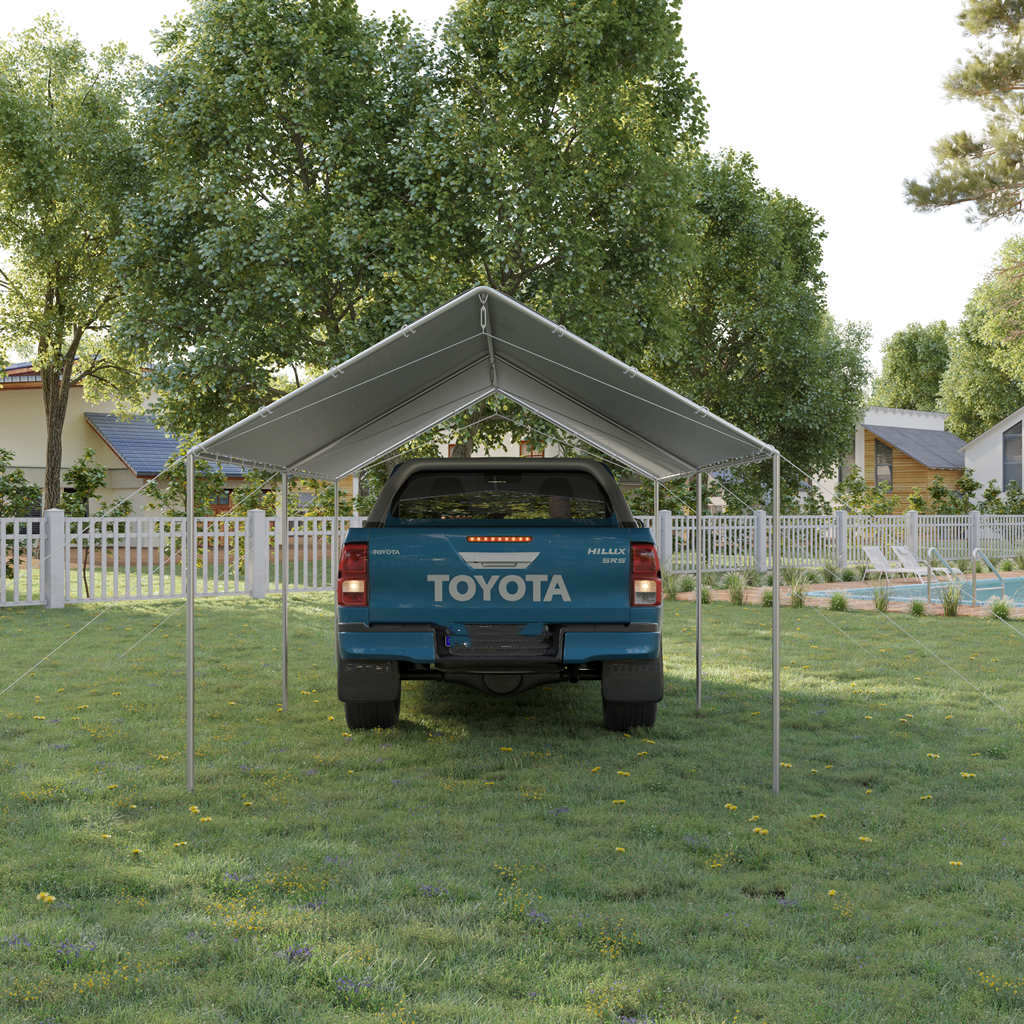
<point x="433" y="876"/>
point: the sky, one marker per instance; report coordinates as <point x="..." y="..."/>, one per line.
<point x="838" y="104"/>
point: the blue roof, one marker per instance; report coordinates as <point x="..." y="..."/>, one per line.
<point x="934" y="449"/>
<point x="140" y="444"/>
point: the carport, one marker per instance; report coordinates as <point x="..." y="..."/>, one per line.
<point x="480" y="344"/>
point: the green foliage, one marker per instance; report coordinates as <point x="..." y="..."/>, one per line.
<point x="974" y="391"/>
<point x="766" y="598"/>
<point x="735" y="583"/>
<point x="849" y="574"/>
<point x="882" y="598"/>
<point x="68" y="165"/>
<point x="85" y="477"/>
<point x="856" y="496"/>
<point x="913" y="362"/>
<point x="18" y="497"/>
<point x="753" y="340"/>
<point x="705" y="594"/>
<point x="838" y="603"/>
<point x="797" y="589"/>
<point x="984" y="169"/>
<point x="955" y="500"/>
<point x="169" y="493"/>
<point x="950" y="599"/>
<point x="685" y="584"/>
<point x="999" y="608"/>
<point x="917" y="607"/>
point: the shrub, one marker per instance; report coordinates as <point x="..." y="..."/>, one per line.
<point x="917" y="607"/>
<point x="687" y="584"/>
<point x="705" y="594"/>
<point x="882" y="598"/>
<point x="830" y="572"/>
<point x="950" y="599"/>
<point x="838" y="603"/>
<point x="797" y="589"/>
<point x="675" y="582"/>
<point x="791" y="573"/>
<point x="1019" y="559"/>
<point x="766" y="599"/>
<point x="849" y="574"/>
<point x="999" y="608"/>
<point x="963" y="564"/>
<point x="735" y="584"/>
<point x="1006" y="565"/>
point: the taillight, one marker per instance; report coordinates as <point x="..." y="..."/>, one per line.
<point x="353" y="574"/>
<point x="644" y="575"/>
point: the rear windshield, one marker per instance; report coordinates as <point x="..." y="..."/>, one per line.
<point x="486" y="495"/>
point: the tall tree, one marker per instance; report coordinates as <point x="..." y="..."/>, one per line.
<point x="913" y="362"/>
<point x="68" y="160"/>
<point x="985" y="169"/>
<point x="753" y="340"/>
<point x="324" y="179"/>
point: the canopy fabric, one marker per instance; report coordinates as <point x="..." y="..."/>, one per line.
<point x="479" y="344"/>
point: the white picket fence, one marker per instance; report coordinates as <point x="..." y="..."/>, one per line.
<point x="53" y="559"/>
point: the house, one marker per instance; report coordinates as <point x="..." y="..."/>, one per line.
<point x="905" y="449"/>
<point x="996" y="454"/>
<point x="133" y="451"/>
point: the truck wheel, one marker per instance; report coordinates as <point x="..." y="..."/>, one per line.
<point x="372" y="714"/>
<point x="624" y="714"/>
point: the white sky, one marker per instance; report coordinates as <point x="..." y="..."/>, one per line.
<point x="838" y="103"/>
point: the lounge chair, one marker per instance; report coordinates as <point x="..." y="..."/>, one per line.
<point x="910" y="565"/>
<point x="878" y="563"/>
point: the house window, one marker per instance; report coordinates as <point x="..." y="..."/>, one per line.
<point x="528" y="450"/>
<point x="883" y="464"/>
<point x="223" y="500"/>
<point x="1012" y="456"/>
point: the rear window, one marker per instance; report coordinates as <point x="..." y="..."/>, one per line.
<point x="486" y="495"/>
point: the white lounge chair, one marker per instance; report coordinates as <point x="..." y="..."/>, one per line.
<point x="910" y="565"/>
<point x="878" y="563"/>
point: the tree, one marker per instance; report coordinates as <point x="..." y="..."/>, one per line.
<point x="984" y="381"/>
<point x="752" y="337"/>
<point x="913" y="362"/>
<point x="85" y="478"/>
<point x="986" y="169"/>
<point x="68" y="161"/>
<point x="18" y="497"/>
<point x="855" y="495"/>
<point x="325" y="179"/>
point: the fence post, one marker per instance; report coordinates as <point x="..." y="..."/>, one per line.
<point x="51" y="576"/>
<point x="973" y="531"/>
<point x="663" y="536"/>
<point x="911" y="530"/>
<point x="840" y="528"/>
<point x="257" y="553"/>
<point x="760" y="540"/>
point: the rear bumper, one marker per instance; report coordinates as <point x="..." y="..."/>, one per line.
<point x="576" y="644"/>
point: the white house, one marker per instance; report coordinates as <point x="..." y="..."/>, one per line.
<point x="996" y="454"/>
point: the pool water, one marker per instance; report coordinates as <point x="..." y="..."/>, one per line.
<point x="987" y="589"/>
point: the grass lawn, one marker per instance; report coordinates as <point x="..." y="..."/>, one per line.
<point x="499" y="861"/>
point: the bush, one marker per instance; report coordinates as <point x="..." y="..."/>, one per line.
<point x="766" y="599"/>
<point x="950" y="599"/>
<point x="1006" y="565"/>
<point x="830" y="572"/>
<point x="1019" y="559"/>
<point x="792" y="573"/>
<point x="797" y="589"/>
<point x="999" y="608"/>
<point x="676" y="582"/>
<point x="735" y="583"/>
<point x="917" y="607"/>
<point x="705" y="594"/>
<point x="882" y="598"/>
<point x="963" y="564"/>
<point x="849" y="574"/>
<point x="687" y="584"/>
<point x="838" y="603"/>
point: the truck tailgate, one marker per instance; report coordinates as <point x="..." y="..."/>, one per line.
<point x="476" y="575"/>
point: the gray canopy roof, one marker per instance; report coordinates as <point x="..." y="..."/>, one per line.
<point x="479" y="344"/>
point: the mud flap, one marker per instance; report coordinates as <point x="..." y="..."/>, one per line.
<point x="368" y="680"/>
<point x="637" y="680"/>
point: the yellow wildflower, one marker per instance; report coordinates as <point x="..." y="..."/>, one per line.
<point x="864" y="839"/>
<point x="730" y="807"/>
<point x="45" y="897"/>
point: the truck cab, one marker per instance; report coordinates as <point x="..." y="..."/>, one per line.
<point x="502" y="575"/>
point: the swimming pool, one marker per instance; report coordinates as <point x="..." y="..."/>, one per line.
<point x="987" y="589"/>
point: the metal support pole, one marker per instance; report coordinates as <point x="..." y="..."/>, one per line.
<point x="776" y="573"/>
<point x="657" y="501"/>
<point x="335" y="557"/>
<point x="700" y="590"/>
<point x="285" y="569"/>
<point x="190" y="620"/>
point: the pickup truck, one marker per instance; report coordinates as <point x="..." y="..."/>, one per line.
<point x="500" y="574"/>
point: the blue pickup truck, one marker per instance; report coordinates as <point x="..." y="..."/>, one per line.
<point x="503" y="575"/>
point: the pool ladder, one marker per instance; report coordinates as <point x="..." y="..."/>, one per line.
<point x="976" y="555"/>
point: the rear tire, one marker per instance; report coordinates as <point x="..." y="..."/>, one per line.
<point x="372" y="714"/>
<point x="624" y="714"/>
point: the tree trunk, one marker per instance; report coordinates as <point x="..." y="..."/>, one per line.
<point x="56" y="382"/>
